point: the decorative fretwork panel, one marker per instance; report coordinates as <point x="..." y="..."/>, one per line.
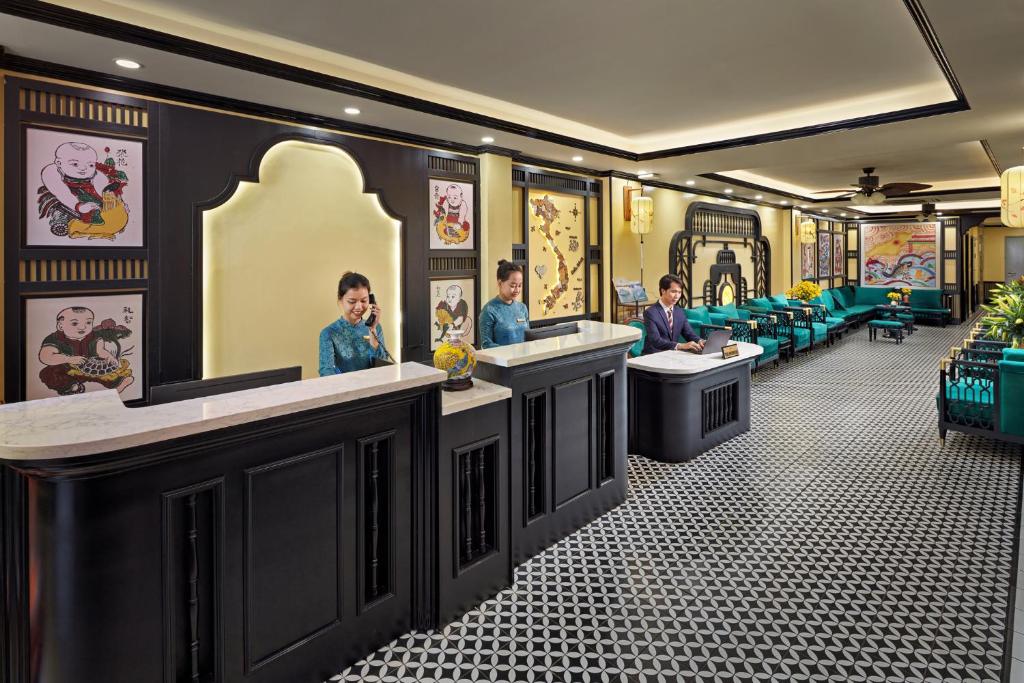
<point x="376" y="459"/>
<point x="71" y="270"/>
<point x="534" y="464"/>
<point x="711" y="222"/>
<point x="440" y="263"/>
<point x="450" y="165"/>
<point x="719" y="406"/>
<point x="83" y="108"/>
<point x="971" y="390"/>
<point x="476" y="501"/>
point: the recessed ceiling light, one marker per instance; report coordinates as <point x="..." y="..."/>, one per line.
<point x="127" y="63"/>
<point x="842" y="214"/>
<point x="760" y="196"/>
<point x="728" y="190"/>
<point x="689" y="182"/>
<point x="824" y="210"/>
<point x="645" y="174"/>
<point x="784" y="201"/>
<point x="938" y="213"/>
<point x="487" y="139"/>
<point x="352" y="111"/>
<point x="577" y="158"/>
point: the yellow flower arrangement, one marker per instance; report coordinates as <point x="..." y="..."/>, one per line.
<point x="894" y="296"/>
<point x="905" y="291"/>
<point x="804" y="291"/>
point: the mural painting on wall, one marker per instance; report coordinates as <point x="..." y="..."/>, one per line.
<point x="557" y="276"/>
<point x="806" y="260"/>
<point x="82" y="190"/>
<point x="451" y="214"/>
<point x="838" y="256"/>
<point x="453" y="306"/>
<point x="90" y="342"/>
<point x="824" y="254"/>
<point x="900" y="254"/>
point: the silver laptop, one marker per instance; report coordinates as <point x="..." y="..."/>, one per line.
<point x="716" y="340"/>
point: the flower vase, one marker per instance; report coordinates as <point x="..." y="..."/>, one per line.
<point x="458" y="359"/>
<point x="894" y="302"/>
<point x="906" y="299"/>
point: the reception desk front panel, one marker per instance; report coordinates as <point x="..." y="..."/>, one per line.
<point x="567" y="437"/>
<point x="281" y="549"/>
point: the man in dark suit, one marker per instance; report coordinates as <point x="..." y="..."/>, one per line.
<point x="665" y="321"/>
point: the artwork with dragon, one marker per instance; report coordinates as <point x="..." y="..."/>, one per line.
<point x="899" y="255"/>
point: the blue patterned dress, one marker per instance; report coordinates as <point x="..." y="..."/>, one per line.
<point x="344" y="349"/>
<point x="503" y="323"/>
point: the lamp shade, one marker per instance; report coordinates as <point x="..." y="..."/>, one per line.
<point x="808" y="231"/>
<point x="641" y="221"/>
<point x="1011" y="197"/>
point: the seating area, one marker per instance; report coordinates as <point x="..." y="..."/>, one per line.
<point x="981" y="389"/>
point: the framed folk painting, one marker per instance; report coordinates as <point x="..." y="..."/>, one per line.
<point x="451" y="214"/>
<point x="83" y="190"/>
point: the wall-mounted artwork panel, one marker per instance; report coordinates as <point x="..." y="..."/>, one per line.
<point x="451" y="215"/>
<point x="556" y="241"/>
<point x="824" y="254"/>
<point x="899" y="255"/>
<point x="453" y="307"/>
<point x="838" y="256"/>
<point x="87" y="342"/>
<point x="83" y="190"/>
<point x="807" y="253"/>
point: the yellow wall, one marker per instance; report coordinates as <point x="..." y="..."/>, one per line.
<point x="498" y="220"/>
<point x="284" y="241"/>
<point x="2" y="240"/>
<point x="993" y="241"/>
<point x="669" y="217"/>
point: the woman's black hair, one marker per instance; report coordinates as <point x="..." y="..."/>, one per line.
<point x="506" y="268"/>
<point x="350" y="280"/>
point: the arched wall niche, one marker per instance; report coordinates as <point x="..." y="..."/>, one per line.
<point x="273" y="247"/>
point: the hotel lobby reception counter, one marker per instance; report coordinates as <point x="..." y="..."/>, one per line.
<point x="274" y="534"/>
<point x="567" y="445"/>
<point x="681" y="404"/>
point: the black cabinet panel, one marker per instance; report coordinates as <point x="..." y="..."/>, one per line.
<point x="571" y="445"/>
<point x="292" y="530"/>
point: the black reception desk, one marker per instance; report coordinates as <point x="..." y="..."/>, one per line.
<point x="283" y="533"/>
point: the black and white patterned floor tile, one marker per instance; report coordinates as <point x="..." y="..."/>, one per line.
<point x="835" y="541"/>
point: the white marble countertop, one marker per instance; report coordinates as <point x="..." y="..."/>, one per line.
<point x="686" y="363"/>
<point x="592" y="335"/>
<point x="480" y="394"/>
<point x="97" y="422"/>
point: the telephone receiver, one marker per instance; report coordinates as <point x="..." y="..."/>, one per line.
<point x="372" y="320"/>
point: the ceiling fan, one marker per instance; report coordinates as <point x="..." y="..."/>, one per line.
<point x="870" y="192"/>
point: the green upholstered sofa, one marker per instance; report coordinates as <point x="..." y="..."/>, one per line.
<point x="857" y="304"/>
<point x="981" y="394"/>
<point x="803" y="322"/>
<point x="703" y="319"/>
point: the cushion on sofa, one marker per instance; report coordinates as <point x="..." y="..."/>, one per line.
<point x="871" y="296"/>
<point x="730" y="311"/>
<point x="1013" y="354"/>
<point x="699" y="314"/>
<point x="839" y="296"/>
<point x="926" y="298"/>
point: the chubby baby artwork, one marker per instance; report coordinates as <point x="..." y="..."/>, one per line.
<point x="82" y="190"/>
<point x="453" y="308"/>
<point x="75" y="344"/>
<point x="451" y="214"/>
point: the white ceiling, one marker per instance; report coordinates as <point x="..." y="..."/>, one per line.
<point x="698" y="68"/>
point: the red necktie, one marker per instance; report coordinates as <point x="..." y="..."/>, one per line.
<point x="669" y="313"/>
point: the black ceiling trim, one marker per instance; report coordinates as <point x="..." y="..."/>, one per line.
<point x="98" y="79"/>
<point x="719" y="177"/>
<point x="931" y="39"/>
<point x="808" y="131"/>
<point x="991" y="157"/>
<point x="116" y="30"/>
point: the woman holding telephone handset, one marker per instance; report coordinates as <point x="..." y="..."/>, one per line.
<point x="351" y="343"/>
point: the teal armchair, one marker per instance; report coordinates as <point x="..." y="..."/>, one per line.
<point x="981" y="395"/>
<point x="927" y="304"/>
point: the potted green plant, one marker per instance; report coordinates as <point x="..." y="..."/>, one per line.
<point x="1005" y="315"/>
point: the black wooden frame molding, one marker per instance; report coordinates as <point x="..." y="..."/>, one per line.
<point x="90" y="23"/>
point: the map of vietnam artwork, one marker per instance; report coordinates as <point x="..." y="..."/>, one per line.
<point x="899" y="255"/>
<point x="556" y="246"/>
<point x="82" y="190"/>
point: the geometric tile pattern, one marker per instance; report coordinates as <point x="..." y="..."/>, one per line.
<point x="833" y="542"/>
